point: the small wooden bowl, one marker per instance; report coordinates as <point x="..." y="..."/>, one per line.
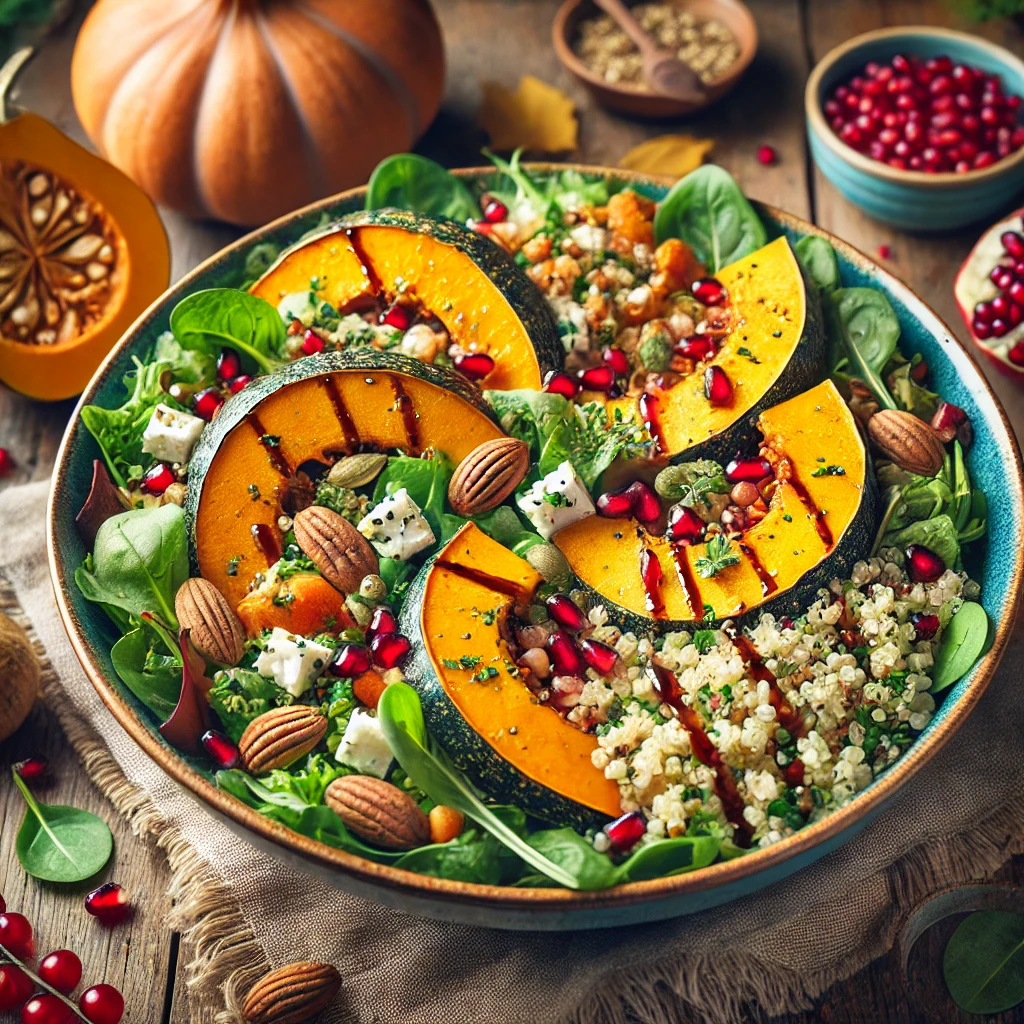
<point x="634" y="102"/>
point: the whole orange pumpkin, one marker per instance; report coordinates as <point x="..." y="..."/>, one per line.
<point x="245" y="109"/>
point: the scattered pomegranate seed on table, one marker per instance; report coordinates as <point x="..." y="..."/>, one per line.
<point x="102" y="1004"/>
<point x="31" y="769"/>
<point x="62" y="970"/>
<point x="7" y="463"/>
<point x="884" y="252"/>
<point x="109" y="903"/>
<point x="766" y="155"/>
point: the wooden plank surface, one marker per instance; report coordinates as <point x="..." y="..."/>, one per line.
<point x="487" y="40"/>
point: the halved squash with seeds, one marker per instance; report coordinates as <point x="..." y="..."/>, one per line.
<point x="317" y="408"/>
<point x="515" y="749"/>
<point x="774" y="350"/>
<point x="820" y="521"/>
<point x="485" y="301"/>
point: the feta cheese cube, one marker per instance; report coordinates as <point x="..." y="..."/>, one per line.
<point x="557" y="501"/>
<point x="364" y="746"/>
<point x="589" y="237"/>
<point x="171" y="434"/>
<point x="299" y="306"/>
<point x="396" y="527"/>
<point x="293" y="662"/>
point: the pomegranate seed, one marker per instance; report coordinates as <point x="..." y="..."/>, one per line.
<point x="495" y="211"/>
<point x="1016" y="292"/>
<point x="708" y="291"/>
<point x="158" y="478"/>
<point x="923" y="565"/>
<point x="31" y="769"/>
<point x="566" y="612"/>
<point x="1001" y="306"/>
<point x="474" y="365"/>
<point x="207" y="403"/>
<point x="600" y="657"/>
<point x="222" y="751"/>
<point x="7" y="463"/>
<point x="3" y="904"/>
<point x="46" y="1009"/>
<point x="559" y="383"/>
<point x="237" y="383"/>
<point x="397" y="316"/>
<point x="1000" y="327"/>
<point x="983" y="312"/>
<point x="615" y="504"/>
<point x="389" y="649"/>
<point x="617" y="360"/>
<point x="625" y="832"/>
<point x="102" y="1004"/>
<point x="984" y="159"/>
<point x="685" y="527"/>
<point x="16" y="935"/>
<point x="382" y="621"/>
<point x="350" y="661"/>
<point x="925" y="626"/>
<point x="652" y="576"/>
<point x="950" y="420"/>
<point x="793" y="773"/>
<point x="565" y="655"/>
<point x="598" y="378"/>
<point x="62" y="970"/>
<point x="699" y="347"/>
<point x="645" y="502"/>
<point x="1016" y="314"/>
<point x="312" y="343"/>
<point x="16" y="987"/>
<point x="109" y="903"/>
<point x="717" y="386"/>
<point x="1016" y="354"/>
<point x="1013" y="243"/>
<point x="884" y="252"/>
<point x="981" y="329"/>
<point x="766" y="155"/>
<point x="228" y="364"/>
<point x="750" y="470"/>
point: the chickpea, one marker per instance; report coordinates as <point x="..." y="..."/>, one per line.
<point x="537" y="661"/>
<point x="445" y="823"/>
<point x="744" y="494"/>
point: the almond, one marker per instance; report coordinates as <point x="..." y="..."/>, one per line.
<point x="488" y="475"/>
<point x="910" y="442"/>
<point x="214" y="629"/>
<point x="341" y="553"/>
<point x="280" y="736"/>
<point x="378" y="812"/>
<point x="291" y="994"/>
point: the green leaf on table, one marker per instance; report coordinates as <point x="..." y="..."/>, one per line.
<point x="963" y="641"/>
<point x="60" y="844"/>
<point x="407" y="181"/>
<point x="984" y="962"/>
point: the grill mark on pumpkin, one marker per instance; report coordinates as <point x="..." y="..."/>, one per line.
<point x="349" y="430"/>
<point x="815" y="513"/>
<point x="274" y="453"/>
<point x="768" y="584"/>
<point x="404" y="404"/>
<point x="690" y="586"/>
<point x="372" y="278"/>
<point x="496" y="583"/>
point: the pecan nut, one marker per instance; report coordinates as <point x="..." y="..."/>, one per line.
<point x="291" y="994"/>
<point x="907" y="440"/>
<point x="378" y="812"/>
<point x="341" y="553"/>
<point x="215" y="630"/>
<point x="488" y="475"/>
<point x="281" y="736"/>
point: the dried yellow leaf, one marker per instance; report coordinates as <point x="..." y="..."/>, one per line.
<point x="673" y="155"/>
<point x="536" y="116"/>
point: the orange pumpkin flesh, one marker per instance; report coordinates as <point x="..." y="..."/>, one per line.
<point x="245" y="110"/>
<point x="141" y="261"/>
<point x="303" y="604"/>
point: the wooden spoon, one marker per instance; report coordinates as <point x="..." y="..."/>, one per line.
<point x="664" y="72"/>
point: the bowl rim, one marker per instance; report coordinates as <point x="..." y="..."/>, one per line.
<point x="942" y="180"/>
<point x="495" y="896"/>
<point x="567" y="55"/>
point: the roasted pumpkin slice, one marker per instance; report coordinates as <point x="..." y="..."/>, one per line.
<point x="514" y="749"/>
<point x="486" y="302"/>
<point x="774" y="350"/>
<point x="317" y="408"/>
<point x="820" y="521"/>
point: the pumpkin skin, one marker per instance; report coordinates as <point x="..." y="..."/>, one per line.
<point x="485" y="301"/>
<point x="297" y="405"/>
<point x="243" y="111"/>
<point x="779" y="325"/>
<point x="56" y="371"/>
<point x="544" y="767"/>
<point x="785" y="561"/>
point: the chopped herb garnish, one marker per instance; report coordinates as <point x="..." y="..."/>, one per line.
<point x="466" y="662"/>
<point x="744" y="351"/>
<point x="232" y="568"/>
<point x="717" y="556"/>
<point x="704" y="640"/>
<point x="829" y="471"/>
<point x="270" y="440"/>
<point x="254" y="492"/>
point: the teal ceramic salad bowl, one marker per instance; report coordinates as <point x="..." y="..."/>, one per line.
<point x="912" y="199"/>
<point x="995" y="464"/>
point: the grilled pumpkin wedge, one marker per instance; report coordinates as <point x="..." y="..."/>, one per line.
<point x="317" y="408"/>
<point x="820" y="521"/>
<point x="774" y="351"/>
<point x="485" y="301"/>
<point x="514" y="749"/>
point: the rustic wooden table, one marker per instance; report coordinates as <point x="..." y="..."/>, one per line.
<point x="499" y="40"/>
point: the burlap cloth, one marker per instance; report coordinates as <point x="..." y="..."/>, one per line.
<point x="958" y="819"/>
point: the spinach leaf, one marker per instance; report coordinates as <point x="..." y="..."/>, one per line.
<point x="322" y="824"/>
<point x="426" y="480"/>
<point x="145" y="667"/>
<point x="119" y="431"/>
<point x="239" y="695"/>
<point x="869" y="323"/>
<point x="139" y="561"/>
<point x="504" y="525"/>
<point x="411" y="182"/>
<point x="937" y="534"/>
<point x="984" y="962"/>
<point x="527" y="191"/>
<point x="673" y="856"/>
<point x="209" y="320"/>
<point x="708" y="211"/>
<point x="532" y="416"/>
<point x="575" y="855"/>
<point x="472" y="857"/>
<point x="60" y="844"/>
<point x="906" y="391"/>
<point x="965" y="638"/>
<point x="187" y="365"/>
<point x="818" y="259"/>
<point x="401" y="719"/>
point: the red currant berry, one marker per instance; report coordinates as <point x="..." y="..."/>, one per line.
<point x="16" y="936"/>
<point x="62" y="969"/>
<point x="46" y="1009"/>
<point x="15" y="987"/>
<point x="102" y="1004"/>
<point x="7" y="463"/>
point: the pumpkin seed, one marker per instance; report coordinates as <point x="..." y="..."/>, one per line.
<point x="550" y="563"/>
<point x="356" y="470"/>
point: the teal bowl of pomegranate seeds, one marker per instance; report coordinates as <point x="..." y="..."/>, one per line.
<point x="920" y="127"/>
